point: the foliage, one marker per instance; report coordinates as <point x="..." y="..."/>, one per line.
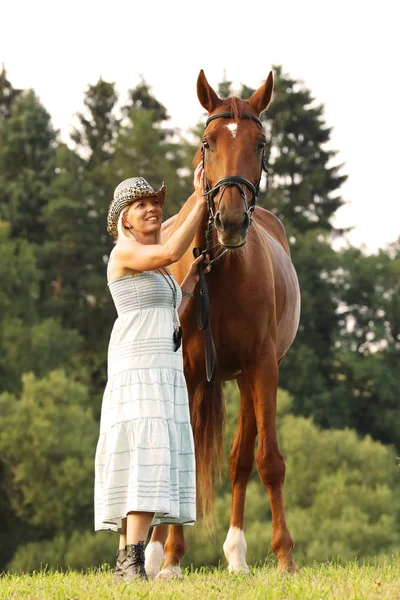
<point x="39" y="445"/>
<point x="98" y="124"/>
<point x="19" y="277"/>
<point x="7" y="95"/>
<point x="27" y="153"/>
<point x="80" y="550"/>
<point x="40" y="348"/>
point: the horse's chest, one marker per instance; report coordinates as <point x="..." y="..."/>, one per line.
<point x="237" y="330"/>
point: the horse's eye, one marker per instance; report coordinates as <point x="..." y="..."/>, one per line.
<point x="261" y="145"/>
<point x="206" y="145"/>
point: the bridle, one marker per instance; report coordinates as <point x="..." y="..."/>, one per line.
<point x="233" y="180"/>
<point x="203" y="301"/>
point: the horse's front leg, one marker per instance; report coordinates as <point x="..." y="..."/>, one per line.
<point x="154" y="552"/>
<point x="175" y="548"/>
<point x="241" y="465"/>
<point x="269" y="458"/>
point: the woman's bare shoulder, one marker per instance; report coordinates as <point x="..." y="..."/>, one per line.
<point x="117" y="261"/>
<point x="125" y="244"/>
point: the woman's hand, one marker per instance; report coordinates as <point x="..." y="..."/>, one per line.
<point x="189" y="283"/>
<point x="193" y="273"/>
<point x="198" y="182"/>
<point x="192" y="277"/>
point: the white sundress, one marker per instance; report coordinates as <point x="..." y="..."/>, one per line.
<point x="145" y="452"/>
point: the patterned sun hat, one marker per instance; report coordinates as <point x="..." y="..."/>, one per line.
<point x="127" y="192"/>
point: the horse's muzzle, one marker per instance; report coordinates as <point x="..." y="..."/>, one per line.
<point x="231" y="230"/>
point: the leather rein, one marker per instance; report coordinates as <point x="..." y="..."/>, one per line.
<point x="203" y="300"/>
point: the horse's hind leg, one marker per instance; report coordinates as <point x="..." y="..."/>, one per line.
<point x="241" y="464"/>
<point x="269" y="459"/>
<point x="154" y="552"/>
<point x="175" y="548"/>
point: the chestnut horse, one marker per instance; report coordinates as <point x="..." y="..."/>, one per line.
<point x="255" y="308"/>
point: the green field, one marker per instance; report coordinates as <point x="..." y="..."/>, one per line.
<point x="320" y="582"/>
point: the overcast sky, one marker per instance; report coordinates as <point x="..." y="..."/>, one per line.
<point x="346" y="52"/>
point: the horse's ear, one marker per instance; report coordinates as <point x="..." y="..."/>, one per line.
<point x="262" y="97"/>
<point x="206" y="95"/>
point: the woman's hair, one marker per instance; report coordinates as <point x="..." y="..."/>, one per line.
<point x="124" y="232"/>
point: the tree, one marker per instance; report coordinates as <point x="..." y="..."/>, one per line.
<point x="7" y="95"/>
<point x="366" y="363"/>
<point x="141" y="98"/>
<point x="50" y="482"/>
<point x="72" y="258"/>
<point x="370" y="292"/>
<point x="19" y="277"/>
<point x="39" y="348"/>
<point x="304" y="185"/>
<point x="97" y="126"/>
<point x="27" y="152"/>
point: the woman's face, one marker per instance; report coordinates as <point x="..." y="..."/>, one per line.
<point x="144" y="216"/>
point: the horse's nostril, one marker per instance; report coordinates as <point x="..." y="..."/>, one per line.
<point x="218" y="222"/>
<point x="246" y="221"/>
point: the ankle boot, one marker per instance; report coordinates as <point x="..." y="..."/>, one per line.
<point x="120" y="565"/>
<point x="134" y="564"/>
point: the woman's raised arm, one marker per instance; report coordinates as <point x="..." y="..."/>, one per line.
<point x="131" y="254"/>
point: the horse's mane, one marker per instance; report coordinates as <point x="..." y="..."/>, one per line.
<point x="235" y="105"/>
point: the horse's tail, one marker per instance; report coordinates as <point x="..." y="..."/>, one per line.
<point x="207" y="416"/>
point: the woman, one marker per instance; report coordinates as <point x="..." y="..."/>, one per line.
<point x="145" y="465"/>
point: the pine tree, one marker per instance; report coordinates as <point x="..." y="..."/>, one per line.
<point x="27" y="153"/>
<point x="98" y="124"/>
<point x="141" y="98"/>
<point x="304" y="186"/>
<point x="7" y="95"/>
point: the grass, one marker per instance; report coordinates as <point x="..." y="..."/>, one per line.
<point x="320" y="582"/>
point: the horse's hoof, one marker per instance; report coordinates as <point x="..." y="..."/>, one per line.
<point x="169" y="573"/>
<point x="155" y="557"/>
<point x="287" y="565"/>
<point x="242" y="570"/>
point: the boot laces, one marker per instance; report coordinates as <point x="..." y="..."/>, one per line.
<point x="138" y="554"/>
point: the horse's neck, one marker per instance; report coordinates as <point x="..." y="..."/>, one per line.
<point x="185" y="210"/>
<point x="200" y="236"/>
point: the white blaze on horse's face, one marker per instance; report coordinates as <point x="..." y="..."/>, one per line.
<point x="233" y="127"/>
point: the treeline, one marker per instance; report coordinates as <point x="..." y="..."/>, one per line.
<point x="56" y="316"/>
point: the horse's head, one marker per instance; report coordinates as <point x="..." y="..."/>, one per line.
<point x="233" y="153"/>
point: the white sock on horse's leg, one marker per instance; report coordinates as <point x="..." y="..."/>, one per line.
<point x="155" y="556"/>
<point x="235" y="550"/>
